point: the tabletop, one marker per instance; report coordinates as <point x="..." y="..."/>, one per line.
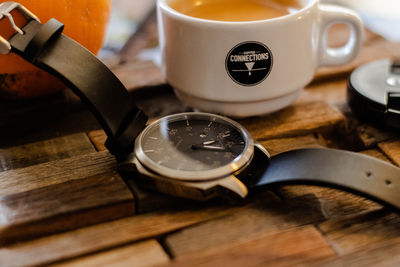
<point x="62" y="202"/>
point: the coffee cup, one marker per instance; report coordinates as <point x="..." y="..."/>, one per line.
<point x="250" y="67"/>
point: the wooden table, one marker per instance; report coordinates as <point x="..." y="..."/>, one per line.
<point x="63" y="203"/>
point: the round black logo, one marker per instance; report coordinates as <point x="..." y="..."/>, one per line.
<point x="249" y="63"/>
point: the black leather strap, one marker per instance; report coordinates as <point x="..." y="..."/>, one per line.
<point x="46" y="47"/>
<point x="348" y="171"/>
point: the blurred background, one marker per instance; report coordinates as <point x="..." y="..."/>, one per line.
<point x="126" y="17"/>
<point x="382" y="17"/>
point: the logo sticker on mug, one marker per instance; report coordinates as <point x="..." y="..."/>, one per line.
<point x="249" y="63"/>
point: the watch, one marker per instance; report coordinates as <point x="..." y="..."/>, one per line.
<point x="192" y="155"/>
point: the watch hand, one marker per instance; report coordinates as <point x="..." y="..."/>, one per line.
<point x="206" y="143"/>
<point x="207" y="147"/>
<point x="209" y="142"/>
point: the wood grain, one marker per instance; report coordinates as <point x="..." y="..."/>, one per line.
<point x="44" y="151"/>
<point x="299" y="119"/>
<point x="298" y="246"/>
<point x="386" y="254"/>
<point x="265" y="214"/>
<point x="147" y="253"/>
<point x="362" y="135"/>
<point x="392" y="150"/>
<point x="376" y="154"/>
<point x="98" y="139"/>
<point x="332" y="203"/>
<point x="64" y="206"/>
<point x="333" y="92"/>
<point x="280" y="145"/>
<point x="55" y="172"/>
<point x="355" y="233"/>
<point x="109" y="235"/>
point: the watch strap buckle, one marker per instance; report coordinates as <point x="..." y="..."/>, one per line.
<point x="5" y="11"/>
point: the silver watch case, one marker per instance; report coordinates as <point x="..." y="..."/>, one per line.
<point x="234" y="166"/>
<point x="228" y="187"/>
<point x="203" y="185"/>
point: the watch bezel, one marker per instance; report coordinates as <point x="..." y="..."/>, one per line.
<point x="220" y="172"/>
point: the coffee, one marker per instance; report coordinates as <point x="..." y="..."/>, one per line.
<point x="235" y="10"/>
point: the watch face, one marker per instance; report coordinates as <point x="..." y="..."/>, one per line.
<point x="194" y="146"/>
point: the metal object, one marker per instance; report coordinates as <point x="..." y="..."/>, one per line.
<point x="240" y="161"/>
<point x="5" y="11"/>
<point x="374" y="92"/>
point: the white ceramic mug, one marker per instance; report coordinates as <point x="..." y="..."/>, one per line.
<point x="251" y="68"/>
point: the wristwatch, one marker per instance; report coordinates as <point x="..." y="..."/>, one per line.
<point x="192" y="155"/>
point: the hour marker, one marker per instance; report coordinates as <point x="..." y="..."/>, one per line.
<point x="224" y="135"/>
<point x="209" y="125"/>
<point x="153" y="138"/>
<point x="187" y="123"/>
<point x="149" y="151"/>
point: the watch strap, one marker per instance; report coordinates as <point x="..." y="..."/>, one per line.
<point x="46" y="47"/>
<point x="353" y="172"/>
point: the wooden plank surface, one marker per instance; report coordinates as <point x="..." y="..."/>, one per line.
<point x="377" y="154"/>
<point x="64" y="206"/>
<point x="387" y="254"/>
<point x="98" y="138"/>
<point x="55" y="172"/>
<point x="392" y="150"/>
<point x="298" y="246"/>
<point x="355" y="233"/>
<point x="363" y="135"/>
<point x="333" y="92"/>
<point x="61" y="195"/>
<point x="265" y="214"/>
<point x="44" y="151"/>
<point x="109" y="235"/>
<point x="280" y="145"/>
<point x="142" y="254"/>
<point x="300" y="119"/>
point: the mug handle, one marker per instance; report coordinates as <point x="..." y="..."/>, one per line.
<point x="330" y="15"/>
